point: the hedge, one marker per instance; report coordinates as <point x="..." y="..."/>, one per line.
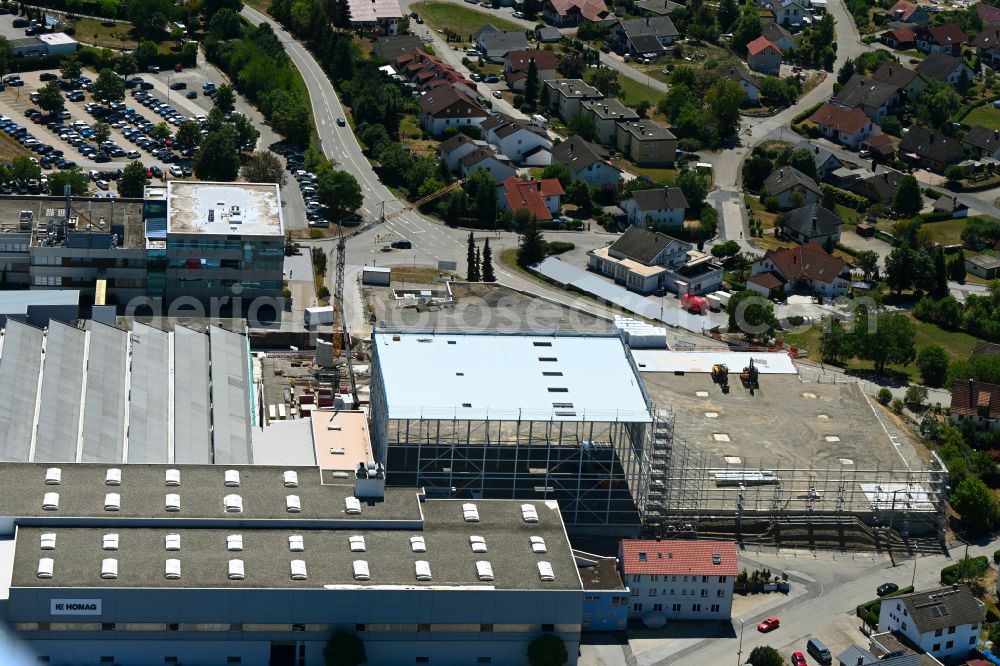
<point x="805" y="114"/>
<point x="845" y="198"/>
<point x="932" y="193"/>
<point x="98" y="59"/>
<point x="949" y="575"/>
<point x="85" y="7"/>
<point x="870" y="610"/>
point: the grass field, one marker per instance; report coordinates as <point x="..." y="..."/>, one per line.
<point x="9" y="149"/>
<point x="111" y="35"/>
<point x="633" y="92"/>
<point x="464" y="21"/>
<point x="984" y="115"/>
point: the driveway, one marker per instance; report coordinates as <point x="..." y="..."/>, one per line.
<point x="852" y="240"/>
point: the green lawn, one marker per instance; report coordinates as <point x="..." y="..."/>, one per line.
<point x="110" y="35"/>
<point x="633" y="92"/>
<point x="848" y="215"/>
<point x="663" y="176"/>
<point x="985" y="115"/>
<point x="946" y="232"/>
<point x="464" y="21"/>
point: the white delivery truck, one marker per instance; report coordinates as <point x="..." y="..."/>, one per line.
<point x="317" y="316"/>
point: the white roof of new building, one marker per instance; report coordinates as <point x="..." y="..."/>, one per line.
<point x="56" y="38"/>
<point x="662" y="360"/>
<point x="531" y="377"/>
<point x="369" y="11"/>
<point x="246" y="209"/>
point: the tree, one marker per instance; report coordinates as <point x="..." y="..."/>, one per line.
<point x="582" y="125"/>
<point x="695" y="189"/>
<point x="471" y="264"/>
<point x="225" y="97"/>
<point x="678" y="99"/>
<point x="605" y="79"/>
<point x="907" y="201"/>
<point x="293" y="121"/>
<point x="487" y="268"/>
<point x="108" y="87"/>
<point x="765" y="655"/>
<point x="845" y="72"/>
<point x="127" y="65"/>
<point x="547" y="650"/>
<point x="133" y="180"/>
<point x="531" y="84"/>
<point x="932" y="361"/>
<point x="531" y="249"/>
<point x="900" y="268"/>
<point x="161" y="132"/>
<point x="6" y="54"/>
<point x="560" y="172"/>
<point x="867" y="261"/>
<point x="263" y="167"/>
<point x="456" y="206"/>
<point x="319" y="260"/>
<point x="23" y="168"/>
<point x="212" y="7"/>
<point x="217" y="159"/>
<point x="915" y="397"/>
<point x="723" y="101"/>
<point x="726" y="250"/>
<point x="746" y="29"/>
<point x="50" y="98"/>
<point x="956" y="269"/>
<point x="835" y="344"/>
<point x="78" y="181"/>
<point x="890" y="341"/>
<point x="147" y="52"/>
<point x="246" y="133"/>
<point x="344" y="649"/>
<point x="939" y="287"/>
<point x="150" y="17"/>
<point x="188" y="134"/>
<point x="225" y="25"/>
<point x="972" y="500"/>
<point x="578" y="194"/>
<point x="803" y="161"/>
<point x="338" y="190"/>
<point x="70" y="67"/>
<point x="756" y="170"/>
<point x="751" y="314"/>
<point x="102" y="132"/>
<point x="727" y="14"/>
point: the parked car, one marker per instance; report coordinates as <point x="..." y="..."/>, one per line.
<point x="496" y="93"/>
<point x="402" y="244"/>
<point x="798" y="659"/>
<point x="770" y="624"/>
<point x="47" y="76"/>
<point x="886" y="588"/>
<point x="179" y="85"/>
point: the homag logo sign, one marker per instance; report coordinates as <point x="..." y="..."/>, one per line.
<point x="75" y="607"/>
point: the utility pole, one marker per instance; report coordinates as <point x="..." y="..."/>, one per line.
<point x="739" y="654"/>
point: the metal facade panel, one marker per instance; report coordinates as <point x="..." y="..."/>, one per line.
<point x="20" y="365"/>
<point x="192" y="406"/>
<point x="104" y="407"/>
<point x="230" y="397"/>
<point x="62" y="394"/>
<point x="149" y="408"/>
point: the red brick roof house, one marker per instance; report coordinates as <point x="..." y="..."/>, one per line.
<point x="805" y="268"/>
<point x="763" y="55"/>
<point x="848" y="127"/>
<point x="978" y="402"/>
<point x="541" y="198"/>
<point x="941" y="39"/>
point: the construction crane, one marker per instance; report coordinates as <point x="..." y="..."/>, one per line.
<point x="340" y="335"/>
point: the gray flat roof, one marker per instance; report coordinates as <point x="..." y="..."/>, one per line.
<point x="246" y="209"/>
<point x="267" y="560"/>
<point x="58" y="432"/>
<point x="230" y="396"/>
<point x="192" y="404"/>
<point x="17" y="301"/>
<point x="143" y="494"/>
<point x="20" y="367"/>
<point x="149" y="396"/>
<point x="104" y="411"/>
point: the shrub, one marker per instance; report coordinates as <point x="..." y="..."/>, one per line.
<point x="897" y="405"/>
<point x="977" y="566"/>
<point x="558" y="247"/>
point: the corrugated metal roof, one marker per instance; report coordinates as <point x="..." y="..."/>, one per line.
<point x="104" y="411"/>
<point x="149" y="396"/>
<point x="192" y="416"/>
<point x="62" y="394"/>
<point x="20" y="366"/>
<point x="230" y="397"/>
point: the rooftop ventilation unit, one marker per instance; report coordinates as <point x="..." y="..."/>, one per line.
<point x="417" y="544"/>
<point x="357" y="544"/>
<point x="352" y="505"/>
<point x="361" y="570"/>
<point x="538" y="544"/>
<point x="299" y="570"/>
<point x="53" y="476"/>
<point x="113" y="477"/>
<point x="478" y="544"/>
<point x="529" y="513"/>
<point x="545" y="573"/>
<point x="109" y="568"/>
<point x="45" y="566"/>
<point x="50" y="502"/>
<point x="172" y="477"/>
<point x="173" y="502"/>
<point x="233" y="503"/>
<point x="234" y="542"/>
<point x="484" y="570"/>
<point x="296" y="544"/>
<point x="236" y="571"/>
<point x="110" y="541"/>
<point x="293" y="504"/>
<point x="470" y="512"/>
<point x="423" y="569"/>
<point x="291" y="479"/>
<point x="48" y="541"/>
<point x="172" y="541"/>
<point x="172" y="570"/>
<point x="112" y="502"/>
<point x="232" y="478"/>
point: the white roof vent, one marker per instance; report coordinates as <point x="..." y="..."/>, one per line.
<point x="478" y="544"/>
<point x="357" y="544"/>
<point x="299" y="570"/>
<point x="50" y="502"/>
<point x="484" y="570"/>
<point x="232" y="478"/>
<point x="110" y="541"/>
<point x="545" y="572"/>
<point x="293" y="504"/>
<point x="361" y="570"/>
<point x="113" y="477"/>
<point x="470" y="512"/>
<point x="236" y="571"/>
<point x="172" y="477"/>
<point x="291" y="479"/>
<point x="352" y="505"/>
<point x="45" y="565"/>
<point x="417" y="544"/>
<point x="538" y="544"/>
<point x="172" y="541"/>
<point x="233" y="503"/>
<point x="112" y="502"/>
<point x="53" y="476"/>
<point x="48" y="541"/>
<point x="295" y="543"/>
<point x="109" y="568"/>
<point x="423" y="568"/>
<point x="529" y="513"/>
<point x="173" y="502"/>
<point x="173" y="569"/>
<point x="234" y="542"/>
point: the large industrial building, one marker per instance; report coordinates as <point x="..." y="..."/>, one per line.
<point x="562" y="417"/>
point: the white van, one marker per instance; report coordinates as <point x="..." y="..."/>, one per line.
<point x="539" y="120"/>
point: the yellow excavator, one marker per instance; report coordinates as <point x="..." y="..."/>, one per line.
<point x="720" y="375"/>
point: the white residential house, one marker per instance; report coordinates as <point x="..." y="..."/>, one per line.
<point x="566" y="95"/>
<point x="524" y="143"/>
<point x="944" y="622"/>
<point x="655" y="208"/>
<point x="457" y="147"/>
<point x="588" y="162"/>
<point x="447" y="106"/>
<point x="499" y="166"/>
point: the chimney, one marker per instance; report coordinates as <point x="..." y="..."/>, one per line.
<point x="861" y="661"/>
<point x="781" y="174"/>
<point x="817" y="150"/>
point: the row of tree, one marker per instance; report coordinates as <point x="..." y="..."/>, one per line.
<point x="479" y="266"/>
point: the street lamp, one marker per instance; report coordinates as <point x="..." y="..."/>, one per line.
<point x="739" y="654"/>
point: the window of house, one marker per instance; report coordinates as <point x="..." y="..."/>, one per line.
<point x="658" y="608"/>
<point x="722" y="579"/>
<point x="715" y="608"/>
<point x="720" y="593"/>
<point x="696" y="608"/>
<point x="938" y="632"/>
<point x="903" y="626"/>
<point x="972" y="640"/>
<point x="652" y="592"/>
<point x="949" y="645"/>
<point x="637" y="608"/>
<point x="704" y="579"/>
<point x="704" y="593"/>
<point x="951" y="630"/>
<point x="676" y="608"/>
